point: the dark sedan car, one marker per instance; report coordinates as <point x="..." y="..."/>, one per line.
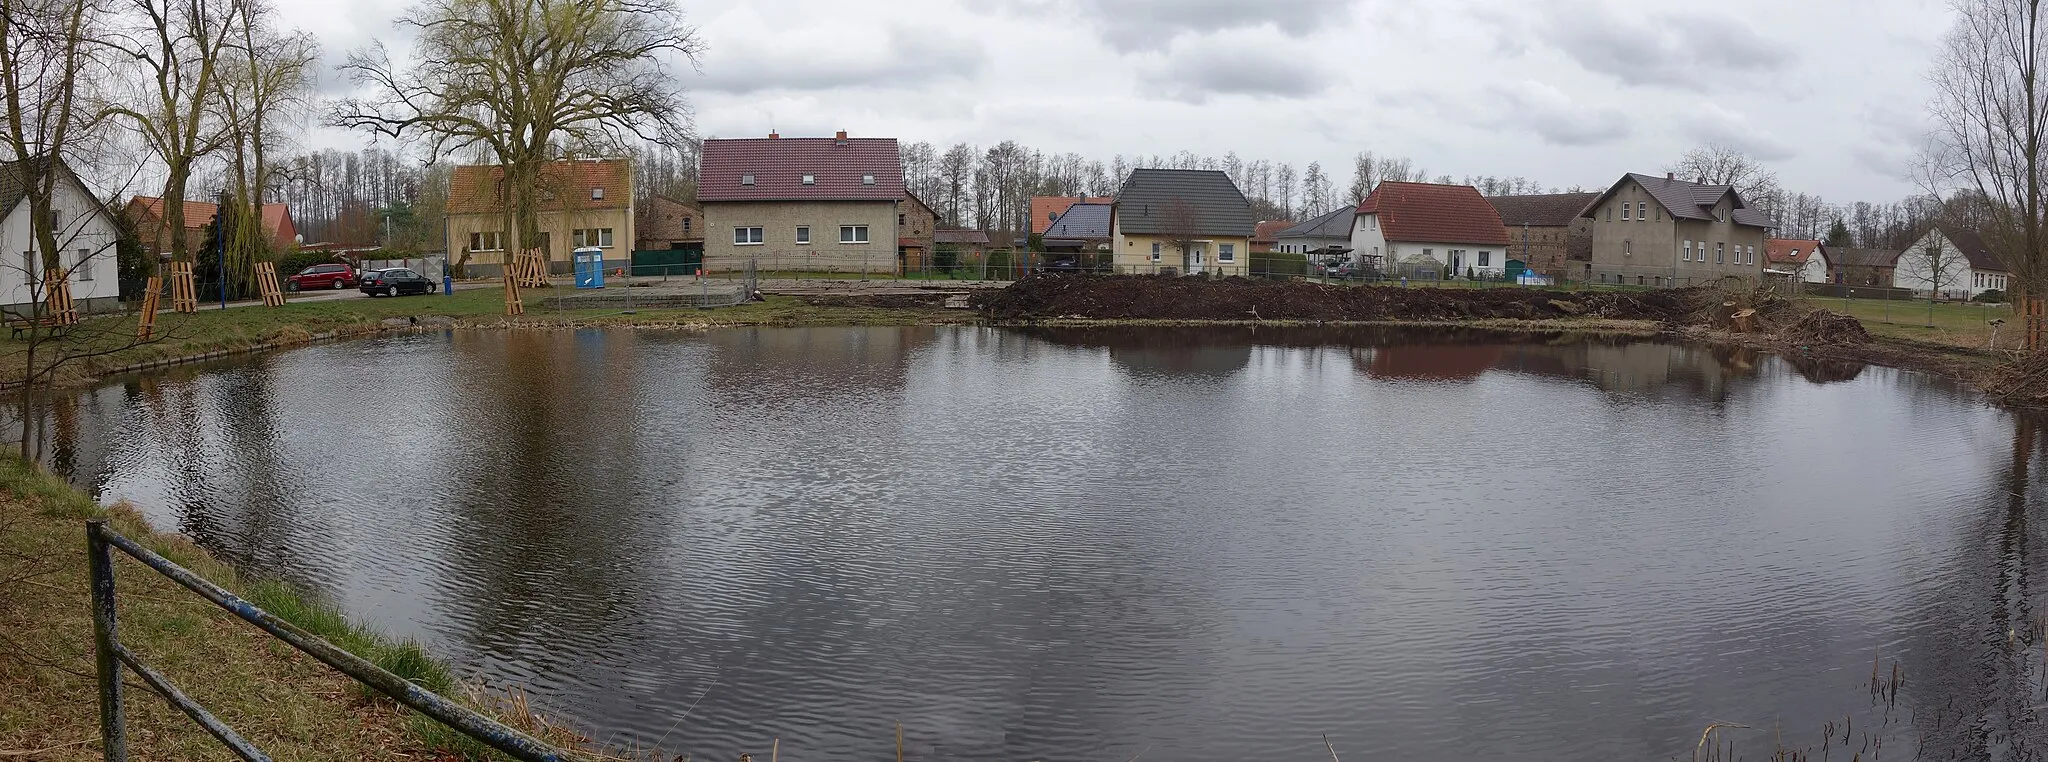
<point x="395" y="281"/>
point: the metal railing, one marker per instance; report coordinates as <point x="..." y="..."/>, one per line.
<point x="111" y="655"/>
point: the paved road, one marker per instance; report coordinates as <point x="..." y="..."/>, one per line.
<point x="329" y="295"/>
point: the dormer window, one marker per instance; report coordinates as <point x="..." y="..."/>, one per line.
<point x="746" y="179"/>
<point x="810" y="179"/>
<point x="597" y="194"/>
<point x="867" y="179"/>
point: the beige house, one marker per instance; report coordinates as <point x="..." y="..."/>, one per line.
<point x="1184" y="221"/>
<point x="583" y="202"/>
<point x="1662" y="231"/>
<point x="813" y="204"/>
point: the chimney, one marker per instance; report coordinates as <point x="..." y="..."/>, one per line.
<point x="839" y="139"/>
<point x="773" y="135"/>
<point x="1669" y="176"/>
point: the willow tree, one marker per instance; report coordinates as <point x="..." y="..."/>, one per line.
<point x="1991" y="113"/>
<point x="177" y="46"/>
<point x="265" y="75"/>
<point x="528" y="82"/>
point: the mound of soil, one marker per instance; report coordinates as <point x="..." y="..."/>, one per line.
<point x="1130" y="297"/>
<point x="878" y="301"/>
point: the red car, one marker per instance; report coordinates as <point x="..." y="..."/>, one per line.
<point x="335" y="275"/>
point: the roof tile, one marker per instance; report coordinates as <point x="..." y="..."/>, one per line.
<point x="474" y="188"/>
<point x="838" y="169"/>
<point x="1431" y="213"/>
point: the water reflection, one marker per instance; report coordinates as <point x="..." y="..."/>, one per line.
<point x="1087" y="543"/>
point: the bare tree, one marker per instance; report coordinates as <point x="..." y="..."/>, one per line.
<point x="1316" y="192"/>
<point x="267" y="74"/>
<point x="956" y="171"/>
<point x="1992" y="115"/>
<point x="1364" y="176"/>
<point x="178" y="45"/>
<point x="1183" y="228"/>
<point x="1283" y="181"/>
<point x="1717" y="164"/>
<point x="529" y="81"/>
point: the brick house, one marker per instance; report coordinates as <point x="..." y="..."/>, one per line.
<point x="661" y="223"/>
<point x="1545" y="232"/>
<point x="813" y="204"/>
<point x="1862" y="267"/>
<point x="916" y="224"/>
<point x="146" y="212"/>
<point x="583" y="202"/>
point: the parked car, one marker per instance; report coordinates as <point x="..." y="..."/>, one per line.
<point x="394" y="282"/>
<point x="335" y="275"/>
<point x="1060" y="263"/>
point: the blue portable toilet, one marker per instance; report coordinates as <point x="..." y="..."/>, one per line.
<point x="589" y="267"/>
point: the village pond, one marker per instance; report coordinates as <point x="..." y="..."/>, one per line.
<point x="1194" y="544"/>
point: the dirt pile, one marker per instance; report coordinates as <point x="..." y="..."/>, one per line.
<point x="1824" y="327"/>
<point x="1176" y="298"/>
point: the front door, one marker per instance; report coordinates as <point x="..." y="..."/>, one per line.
<point x="1196" y="255"/>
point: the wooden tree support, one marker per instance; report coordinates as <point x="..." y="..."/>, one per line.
<point x="266" y="282"/>
<point x="512" y="304"/>
<point x="531" y="269"/>
<point x="2036" y="322"/>
<point x="152" y="296"/>
<point x="63" y="311"/>
<point x="184" y="293"/>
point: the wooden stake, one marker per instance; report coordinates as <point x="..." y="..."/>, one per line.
<point x="151" y="295"/>
<point x="266" y="282"/>
<point x="62" y="310"/>
<point x="899" y="742"/>
<point x="512" y="304"/>
<point x="775" y="751"/>
<point x="184" y="293"/>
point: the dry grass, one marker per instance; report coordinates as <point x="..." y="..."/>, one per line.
<point x="293" y="707"/>
<point x="1953" y="324"/>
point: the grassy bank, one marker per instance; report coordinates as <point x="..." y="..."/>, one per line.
<point x="285" y="702"/>
<point x="244" y="328"/>
<point x="1966" y="325"/>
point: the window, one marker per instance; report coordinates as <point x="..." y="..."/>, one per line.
<point x="901" y="220"/>
<point x="597" y="194"/>
<point x="1687" y="256"/>
<point x="867" y="179"/>
<point x="1485" y="258"/>
<point x="599" y="237"/>
<point x="84" y="264"/>
<point x="1752" y="255"/>
<point x="1627" y="247"/>
<point x="1155" y="251"/>
<point x="803" y="234"/>
<point x="810" y="179"/>
<point x="1624" y="211"/>
<point x="1720" y="252"/>
<point x="1374" y="221"/>
<point x="28" y="265"/>
<point x="746" y="236"/>
<point x="1610" y="213"/>
<point x="1642" y="210"/>
<point x="486" y="241"/>
<point x="1226" y="252"/>
<point x="686" y="224"/>
<point x="746" y="179"/>
<point x="853" y="234"/>
<point x="1660" y="214"/>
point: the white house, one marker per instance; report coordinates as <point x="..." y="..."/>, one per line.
<point x="1798" y="258"/>
<point x="1951" y="263"/>
<point x="1447" y="228"/>
<point x="1330" y="231"/>
<point x="86" y="235"/>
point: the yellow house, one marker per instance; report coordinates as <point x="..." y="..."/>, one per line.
<point x="583" y="202"/>
<point x="1185" y="221"/>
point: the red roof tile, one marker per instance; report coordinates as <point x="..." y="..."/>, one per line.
<point x="778" y="165"/>
<point x="277" y="218"/>
<point x="1430" y="213"/>
<point x="1045" y="209"/>
<point x="1788" y="251"/>
<point x="474" y="188"/>
<point x="1269" y="231"/>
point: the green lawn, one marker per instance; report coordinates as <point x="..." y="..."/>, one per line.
<point x="1960" y="324"/>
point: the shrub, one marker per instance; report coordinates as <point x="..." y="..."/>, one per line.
<point x="1990" y="296"/>
<point x="945" y="258"/>
<point x="1279" y="265"/>
<point x="291" y="264"/>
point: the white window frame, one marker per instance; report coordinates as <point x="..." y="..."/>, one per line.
<point x="742" y="237"/>
<point x="867" y="179"/>
<point x="487" y="240"/>
<point x="1226" y="252"/>
<point x="1720" y="252"/>
<point x="853" y="234"/>
<point x="746" y="179"/>
<point x="84" y="265"/>
<point x="597" y="193"/>
<point x="810" y="179"/>
<point x="803" y="235"/>
<point x="1625" y="208"/>
<point x="1642" y="210"/>
<point x="1687" y="256"/>
<point x="1485" y="258"/>
<point x="1155" y="251"/>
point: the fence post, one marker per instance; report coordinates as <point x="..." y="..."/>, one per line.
<point x="113" y="727"/>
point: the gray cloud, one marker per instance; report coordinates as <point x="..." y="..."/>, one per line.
<point x="1154" y="24"/>
<point x="1714" y="124"/>
<point x="908" y="59"/>
<point x="1194" y="74"/>
<point x="1692" y="50"/>
<point x="1555" y="117"/>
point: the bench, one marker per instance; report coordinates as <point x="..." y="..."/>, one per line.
<point x="15" y="328"/>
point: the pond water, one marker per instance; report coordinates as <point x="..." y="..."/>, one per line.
<point x="1094" y="544"/>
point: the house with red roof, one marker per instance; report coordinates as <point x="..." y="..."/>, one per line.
<point x="1266" y="235"/>
<point x="1419" y="229"/>
<point x="581" y="203"/>
<point x="1796" y="258"/>
<point x="147" y="213"/>
<point x="832" y="204"/>
<point x="1045" y="210"/>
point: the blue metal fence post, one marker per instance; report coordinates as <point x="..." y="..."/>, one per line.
<point x="113" y="728"/>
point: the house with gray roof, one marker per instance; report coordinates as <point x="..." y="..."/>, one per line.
<point x="1663" y="231"/>
<point x="1187" y="221"/>
<point x="1328" y="234"/>
<point x="1950" y="262"/>
<point x="1545" y="232"/>
<point x="86" y="235"/>
<point x="1082" y="227"/>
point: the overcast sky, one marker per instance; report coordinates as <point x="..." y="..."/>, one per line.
<point x="1830" y="93"/>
